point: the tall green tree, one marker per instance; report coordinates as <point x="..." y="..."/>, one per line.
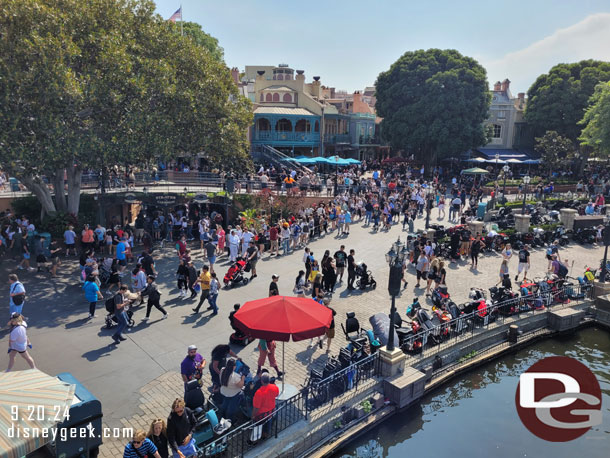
<point x="554" y="149"/>
<point x="91" y="85"/>
<point x="201" y="38"/>
<point x="596" y="122"/>
<point x="434" y="103"/>
<point x="557" y="99"/>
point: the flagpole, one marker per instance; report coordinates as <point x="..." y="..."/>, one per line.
<point x="181" y="21"/>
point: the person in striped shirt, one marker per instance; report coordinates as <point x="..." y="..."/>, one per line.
<point x="140" y="446"/>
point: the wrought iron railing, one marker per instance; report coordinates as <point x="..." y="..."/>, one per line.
<point x="446" y="334"/>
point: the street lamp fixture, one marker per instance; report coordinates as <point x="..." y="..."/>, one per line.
<point x="526" y="181"/>
<point x="497" y="156"/>
<point x="395" y="259"/>
<point x="506" y="169"/>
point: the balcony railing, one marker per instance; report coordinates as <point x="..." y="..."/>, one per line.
<point x="366" y="140"/>
<point x="337" y="138"/>
<point x="306" y="137"/>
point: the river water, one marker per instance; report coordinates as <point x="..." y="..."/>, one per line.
<point x="475" y="415"/>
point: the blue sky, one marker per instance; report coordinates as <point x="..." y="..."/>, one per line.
<point x="348" y="43"/>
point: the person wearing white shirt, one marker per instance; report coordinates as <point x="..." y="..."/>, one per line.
<point x="245" y="241"/>
<point x="233" y="241"/>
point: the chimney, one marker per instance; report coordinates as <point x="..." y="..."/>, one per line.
<point x="260" y="74"/>
<point x="235" y="75"/>
<point x="521" y="96"/>
<point x="357" y="97"/>
<point x="505" y="85"/>
<point x="315" y="87"/>
<point x="497" y="86"/>
<point x="300" y="79"/>
<point x="332" y="92"/>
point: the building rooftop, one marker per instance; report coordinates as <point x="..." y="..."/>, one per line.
<point x="284" y="111"/>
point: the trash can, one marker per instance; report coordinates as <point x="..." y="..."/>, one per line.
<point x="481" y="210"/>
<point x="14" y="184"/>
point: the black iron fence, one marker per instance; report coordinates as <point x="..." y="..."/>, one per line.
<point x="240" y="440"/>
<point x="320" y="391"/>
<point x="440" y="332"/>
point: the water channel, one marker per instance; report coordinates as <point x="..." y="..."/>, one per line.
<point x="475" y="415"/>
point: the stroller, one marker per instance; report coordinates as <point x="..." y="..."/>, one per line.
<point x="235" y="275"/>
<point x="112" y="320"/>
<point x="440" y="295"/>
<point x="364" y="277"/>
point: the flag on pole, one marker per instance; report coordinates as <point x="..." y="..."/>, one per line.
<point x="177" y="15"/>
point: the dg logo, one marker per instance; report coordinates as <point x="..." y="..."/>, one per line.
<point x="558" y="399"/>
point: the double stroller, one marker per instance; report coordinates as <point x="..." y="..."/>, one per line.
<point x="112" y="320"/>
<point x="235" y="275"/>
<point x="364" y="277"/>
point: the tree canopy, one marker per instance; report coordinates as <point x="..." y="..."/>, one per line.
<point x="89" y="85"/>
<point x="554" y="149"/>
<point x="596" y="131"/>
<point x="434" y="103"/>
<point x="557" y="99"/>
<point x="207" y="41"/>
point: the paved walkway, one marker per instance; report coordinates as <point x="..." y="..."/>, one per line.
<point x="138" y="379"/>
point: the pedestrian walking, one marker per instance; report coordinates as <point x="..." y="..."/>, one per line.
<point x="92" y="294"/>
<point x="70" y="240"/>
<point x="182" y="275"/>
<point x="351" y="269"/>
<point x="475" y="248"/>
<point x="204" y="281"/>
<point x="299" y="284"/>
<point x="524" y="262"/>
<point x="251" y="254"/>
<point x="214" y="289"/>
<point x="266" y="349"/>
<point x="17" y="295"/>
<point x="120" y="301"/>
<point x="18" y="342"/>
<point x="340" y="260"/>
<point x="154" y="297"/>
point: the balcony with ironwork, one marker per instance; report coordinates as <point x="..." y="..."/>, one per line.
<point x="371" y="140"/>
<point x="279" y="136"/>
<point x="334" y="139"/>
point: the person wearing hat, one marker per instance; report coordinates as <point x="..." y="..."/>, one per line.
<point x="273" y="287"/>
<point x="18" y="341"/>
<point x="192" y="365"/>
<point x="263" y="403"/>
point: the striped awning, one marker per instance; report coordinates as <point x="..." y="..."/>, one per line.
<point x="34" y="401"/>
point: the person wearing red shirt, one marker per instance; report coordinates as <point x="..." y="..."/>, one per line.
<point x="273" y="238"/>
<point x="263" y="403"/>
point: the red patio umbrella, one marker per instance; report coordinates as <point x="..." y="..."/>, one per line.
<point x="283" y="317"/>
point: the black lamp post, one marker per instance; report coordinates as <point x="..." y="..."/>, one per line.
<point x="526" y="181"/>
<point x="336" y="175"/>
<point x="606" y="235"/>
<point x="428" y="209"/>
<point x="395" y="257"/>
<point x="506" y="169"/>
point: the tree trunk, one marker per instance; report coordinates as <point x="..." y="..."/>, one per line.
<point x="40" y="189"/>
<point x="74" y="183"/>
<point x="58" y="184"/>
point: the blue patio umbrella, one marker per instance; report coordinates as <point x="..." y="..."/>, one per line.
<point x="307" y="160"/>
<point x="352" y="161"/>
<point x="337" y="160"/>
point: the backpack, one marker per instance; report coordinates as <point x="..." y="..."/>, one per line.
<point x="549" y="251"/>
<point x="563" y="270"/>
<point x="110" y="307"/>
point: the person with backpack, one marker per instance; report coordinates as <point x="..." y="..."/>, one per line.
<point x="154" y="296"/>
<point x="559" y="268"/>
<point x="92" y="294"/>
<point x="17" y="294"/>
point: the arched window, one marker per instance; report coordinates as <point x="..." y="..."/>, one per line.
<point x="316" y="127"/>
<point x="283" y="125"/>
<point x="268" y="97"/>
<point x="302" y="125"/>
<point x="287" y="98"/>
<point x="280" y="76"/>
<point x="263" y="124"/>
<point x="497" y="131"/>
<point x="276" y="97"/>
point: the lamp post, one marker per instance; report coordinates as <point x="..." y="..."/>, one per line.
<point x="395" y="257"/>
<point x="606" y="235"/>
<point x="336" y="175"/>
<point x="428" y="209"/>
<point x="506" y="169"/>
<point x="526" y="181"/>
<point x="497" y="156"/>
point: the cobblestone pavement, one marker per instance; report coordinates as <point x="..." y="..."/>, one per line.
<point x="138" y="379"/>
